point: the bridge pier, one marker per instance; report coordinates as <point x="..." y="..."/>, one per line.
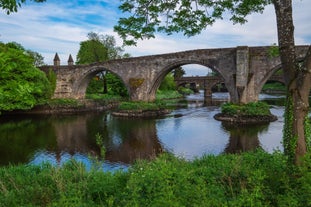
<point x="244" y="83"/>
<point x="207" y="92"/>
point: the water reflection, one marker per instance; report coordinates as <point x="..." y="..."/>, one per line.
<point x="131" y="139"/>
<point x="20" y="138"/>
<point x="243" y="138"/>
<point x="199" y="100"/>
<point x="59" y="138"/>
<point x="189" y="132"/>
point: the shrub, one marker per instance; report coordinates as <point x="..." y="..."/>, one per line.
<point x="22" y="86"/>
<point x="249" y="109"/>
<point x="168" y="94"/>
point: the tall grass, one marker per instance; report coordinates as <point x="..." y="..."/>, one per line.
<point x="248" y="179"/>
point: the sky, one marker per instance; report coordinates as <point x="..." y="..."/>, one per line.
<point x="59" y="26"/>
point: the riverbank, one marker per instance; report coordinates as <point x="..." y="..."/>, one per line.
<point x="102" y="102"/>
<point x="249" y="179"/>
<point x="68" y="106"/>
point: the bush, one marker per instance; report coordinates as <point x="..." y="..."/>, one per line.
<point x="22" y="86"/>
<point x="168" y="94"/>
<point x="168" y="84"/>
<point x="185" y="91"/>
<point x="249" y="109"/>
<point x="52" y="79"/>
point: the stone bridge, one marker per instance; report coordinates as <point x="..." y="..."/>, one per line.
<point x="243" y="69"/>
<point x="207" y="82"/>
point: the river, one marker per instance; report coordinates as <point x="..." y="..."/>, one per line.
<point x="188" y="132"/>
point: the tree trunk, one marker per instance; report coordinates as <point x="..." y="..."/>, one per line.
<point x="104" y="73"/>
<point x="298" y="85"/>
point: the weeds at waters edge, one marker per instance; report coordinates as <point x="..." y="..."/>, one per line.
<point x="100" y="144"/>
<point x="249" y="179"/>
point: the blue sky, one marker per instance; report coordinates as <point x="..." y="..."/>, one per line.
<point x="59" y="26"/>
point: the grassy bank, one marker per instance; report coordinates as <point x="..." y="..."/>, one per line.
<point x="164" y="99"/>
<point x="250" y="179"/>
<point x="106" y="97"/>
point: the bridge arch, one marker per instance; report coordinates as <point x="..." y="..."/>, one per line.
<point x="275" y="65"/>
<point x="81" y="83"/>
<point x="169" y="67"/>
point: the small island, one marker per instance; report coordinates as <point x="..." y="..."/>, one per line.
<point x="141" y="109"/>
<point x="246" y="114"/>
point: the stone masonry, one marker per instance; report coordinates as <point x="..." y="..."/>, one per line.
<point x="244" y="71"/>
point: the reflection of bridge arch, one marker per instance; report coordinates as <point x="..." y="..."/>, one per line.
<point x="243" y="69"/>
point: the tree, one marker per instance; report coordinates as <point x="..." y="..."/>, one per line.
<point x="191" y="17"/>
<point x="179" y="72"/>
<point x="102" y="48"/>
<point x="37" y="57"/>
<point x="168" y="84"/>
<point x="12" y="5"/>
<point x="99" y="48"/>
<point x="92" y="50"/>
<point x="22" y="86"/>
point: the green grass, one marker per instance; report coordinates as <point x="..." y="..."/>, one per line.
<point x="106" y="97"/>
<point x="162" y="94"/>
<point x="274" y="86"/>
<point x="63" y="102"/>
<point x="249" y="179"/>
<point x="249" y="109"/>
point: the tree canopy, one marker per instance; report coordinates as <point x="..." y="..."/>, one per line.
<point x="12" y="5"/>
<point x="189" y="17"/>
<point x="99" y="48"/>
<point x="37" y="57"/>
<point x="22" y="85"/>
<point x="91" y="51"/>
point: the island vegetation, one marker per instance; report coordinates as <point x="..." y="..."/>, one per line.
<point x="250" y="113"/>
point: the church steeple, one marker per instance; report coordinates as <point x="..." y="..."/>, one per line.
<point x="70" y="60"/>
<point x="56" y="60"/>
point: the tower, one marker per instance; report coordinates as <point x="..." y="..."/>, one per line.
<point x="56" y="60"/>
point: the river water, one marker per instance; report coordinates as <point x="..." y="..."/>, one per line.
<point x="189" y="132"/>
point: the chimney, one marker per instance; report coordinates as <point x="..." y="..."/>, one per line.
<point x="56" y="60"/>
<point x="70" y="60"/>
